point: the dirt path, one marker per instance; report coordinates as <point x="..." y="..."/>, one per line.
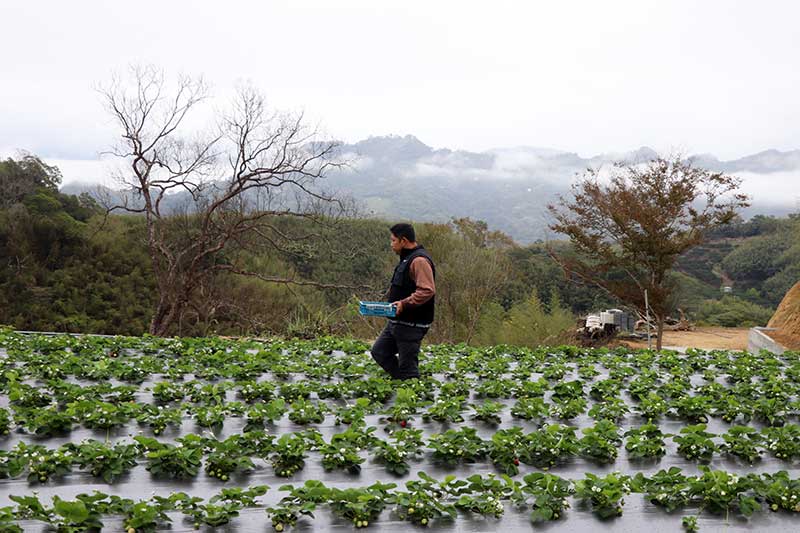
<point x="705" y="338"/>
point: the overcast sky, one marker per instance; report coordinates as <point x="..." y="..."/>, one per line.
<point x="710" y="76"/>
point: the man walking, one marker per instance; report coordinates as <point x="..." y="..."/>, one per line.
<point x="412" y="292"/>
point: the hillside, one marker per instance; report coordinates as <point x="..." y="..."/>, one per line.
<point x="758" y="260"/>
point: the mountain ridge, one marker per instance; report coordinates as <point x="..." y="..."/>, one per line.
<point x="401" y="177"/>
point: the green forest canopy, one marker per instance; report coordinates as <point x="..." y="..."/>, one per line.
<point x="66" y="267"/>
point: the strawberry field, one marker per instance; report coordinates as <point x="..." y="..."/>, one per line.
<point x="149" y="434"/>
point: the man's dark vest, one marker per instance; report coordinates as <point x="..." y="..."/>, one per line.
<point x="403" y="286"/>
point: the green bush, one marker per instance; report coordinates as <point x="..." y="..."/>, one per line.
<point x="528" y="323"/>
<point x="732" y="311"/>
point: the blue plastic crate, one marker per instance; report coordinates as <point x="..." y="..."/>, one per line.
<point x="377" y="309"/>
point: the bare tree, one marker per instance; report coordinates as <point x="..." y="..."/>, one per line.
<point x="628" y="231"/>
<point x="255" y="168"/>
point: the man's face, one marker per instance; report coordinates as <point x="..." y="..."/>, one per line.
<point x="397" y="244"/>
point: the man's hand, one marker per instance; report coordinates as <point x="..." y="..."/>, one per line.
<point x="398" y="306"/>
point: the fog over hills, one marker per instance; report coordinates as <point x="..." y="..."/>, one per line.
<point x="400" y="177"/>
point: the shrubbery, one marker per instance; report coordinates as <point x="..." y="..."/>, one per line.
<point x="732" y="311"/>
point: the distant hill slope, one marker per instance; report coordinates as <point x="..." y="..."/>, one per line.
<point x="400" y="177"/>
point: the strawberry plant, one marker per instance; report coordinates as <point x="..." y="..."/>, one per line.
<point x="423" y="502"/>
<point x="177" y="461"/>
<point x="605" y="494"/>
<point x="528" y="408"/>
<point x="12" y="464"/>
<point x="400" y="415"/>
<point x="743" y="442"/>
<point x="550" y="444"/>
<point x="305" y="412"/>
<point x="587" y="371"/>
<point x="351" y="412"/>
<point x="42" y="463"/>
<point x="600" y="442"/>
<point x="459" y="387"/>
<point x="454" y="446"/>
<point x="568" y="390"/>
<point x="555" y="372"/>
<point x="605" y="390"/>
<point x="211" y="416"/>
<point x="643" y="385"/>
<point x="311" y="491"/>
<point x="213" y="514"/>
<point x="695" y="443"/>
<point x="528" y="389"/>
<point x="729" y="407"/>
<point x="494" y="388"/>
<point x="446" y="410"/>
<point x="693" y="408"/>
<point x="23" y="395"/>
<point x="667" y="488"/>
<point x="314" y="439"/>
<point x="360" y="505"/>
<point x="779" y="491"/>
<point x="227" y="457"/>
<point x="30" y="508"/>
<point x="8" y="522"/>
<point x="253" y="443"/>
<point x="158" y="417"/>
<point x="145" y="517"/>
<point x="45" y="422"/>
<point x="167" y="391"/>
<point x="407" y="444"/>
<point x="567" y="409"/>
<point x="689" y="523"/>
<point x="612" y="409"/>
<point x="377" y="390"/>
<point x="5" y="422"/>
<point x="261" y="413"/>
<point x="721" y="491"/>
<point x="644" y="442"/>
<point x="252" y="391"/>
<point x="652" y="406"/>
<point x="99" y="415"/>
<point x="773" y="411"/>
<point x="358" y="435"/>
<point x="77" y="515"/>
<point x="225" y="506"/>
<point x="341" y="456"/>
<point x="105" y="461"/>
<point x="488" y="412"/>
<point x="288" y="454"/>
<point x="505" y="449"/>
<point x="675" y="388"/>
<point x="549" y="495"/>
<point x="288" y="513"/>
<point x="502" y="488"/>
<point x="482" y="503"/>
<point x="783" y="442"/>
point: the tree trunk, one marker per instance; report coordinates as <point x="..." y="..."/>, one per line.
<point x="162" y="319"/>
<point x="659" y="332"/>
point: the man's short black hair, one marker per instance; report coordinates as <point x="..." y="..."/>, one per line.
<point x="404" y="230"/>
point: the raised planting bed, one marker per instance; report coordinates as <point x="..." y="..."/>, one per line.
<point x="172" y="434"/>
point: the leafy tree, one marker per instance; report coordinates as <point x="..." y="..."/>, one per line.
<point x="629" y="230"/>
<point x="24" y="176"/>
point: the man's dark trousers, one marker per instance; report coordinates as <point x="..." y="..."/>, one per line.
<point x="397" y="350"/>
